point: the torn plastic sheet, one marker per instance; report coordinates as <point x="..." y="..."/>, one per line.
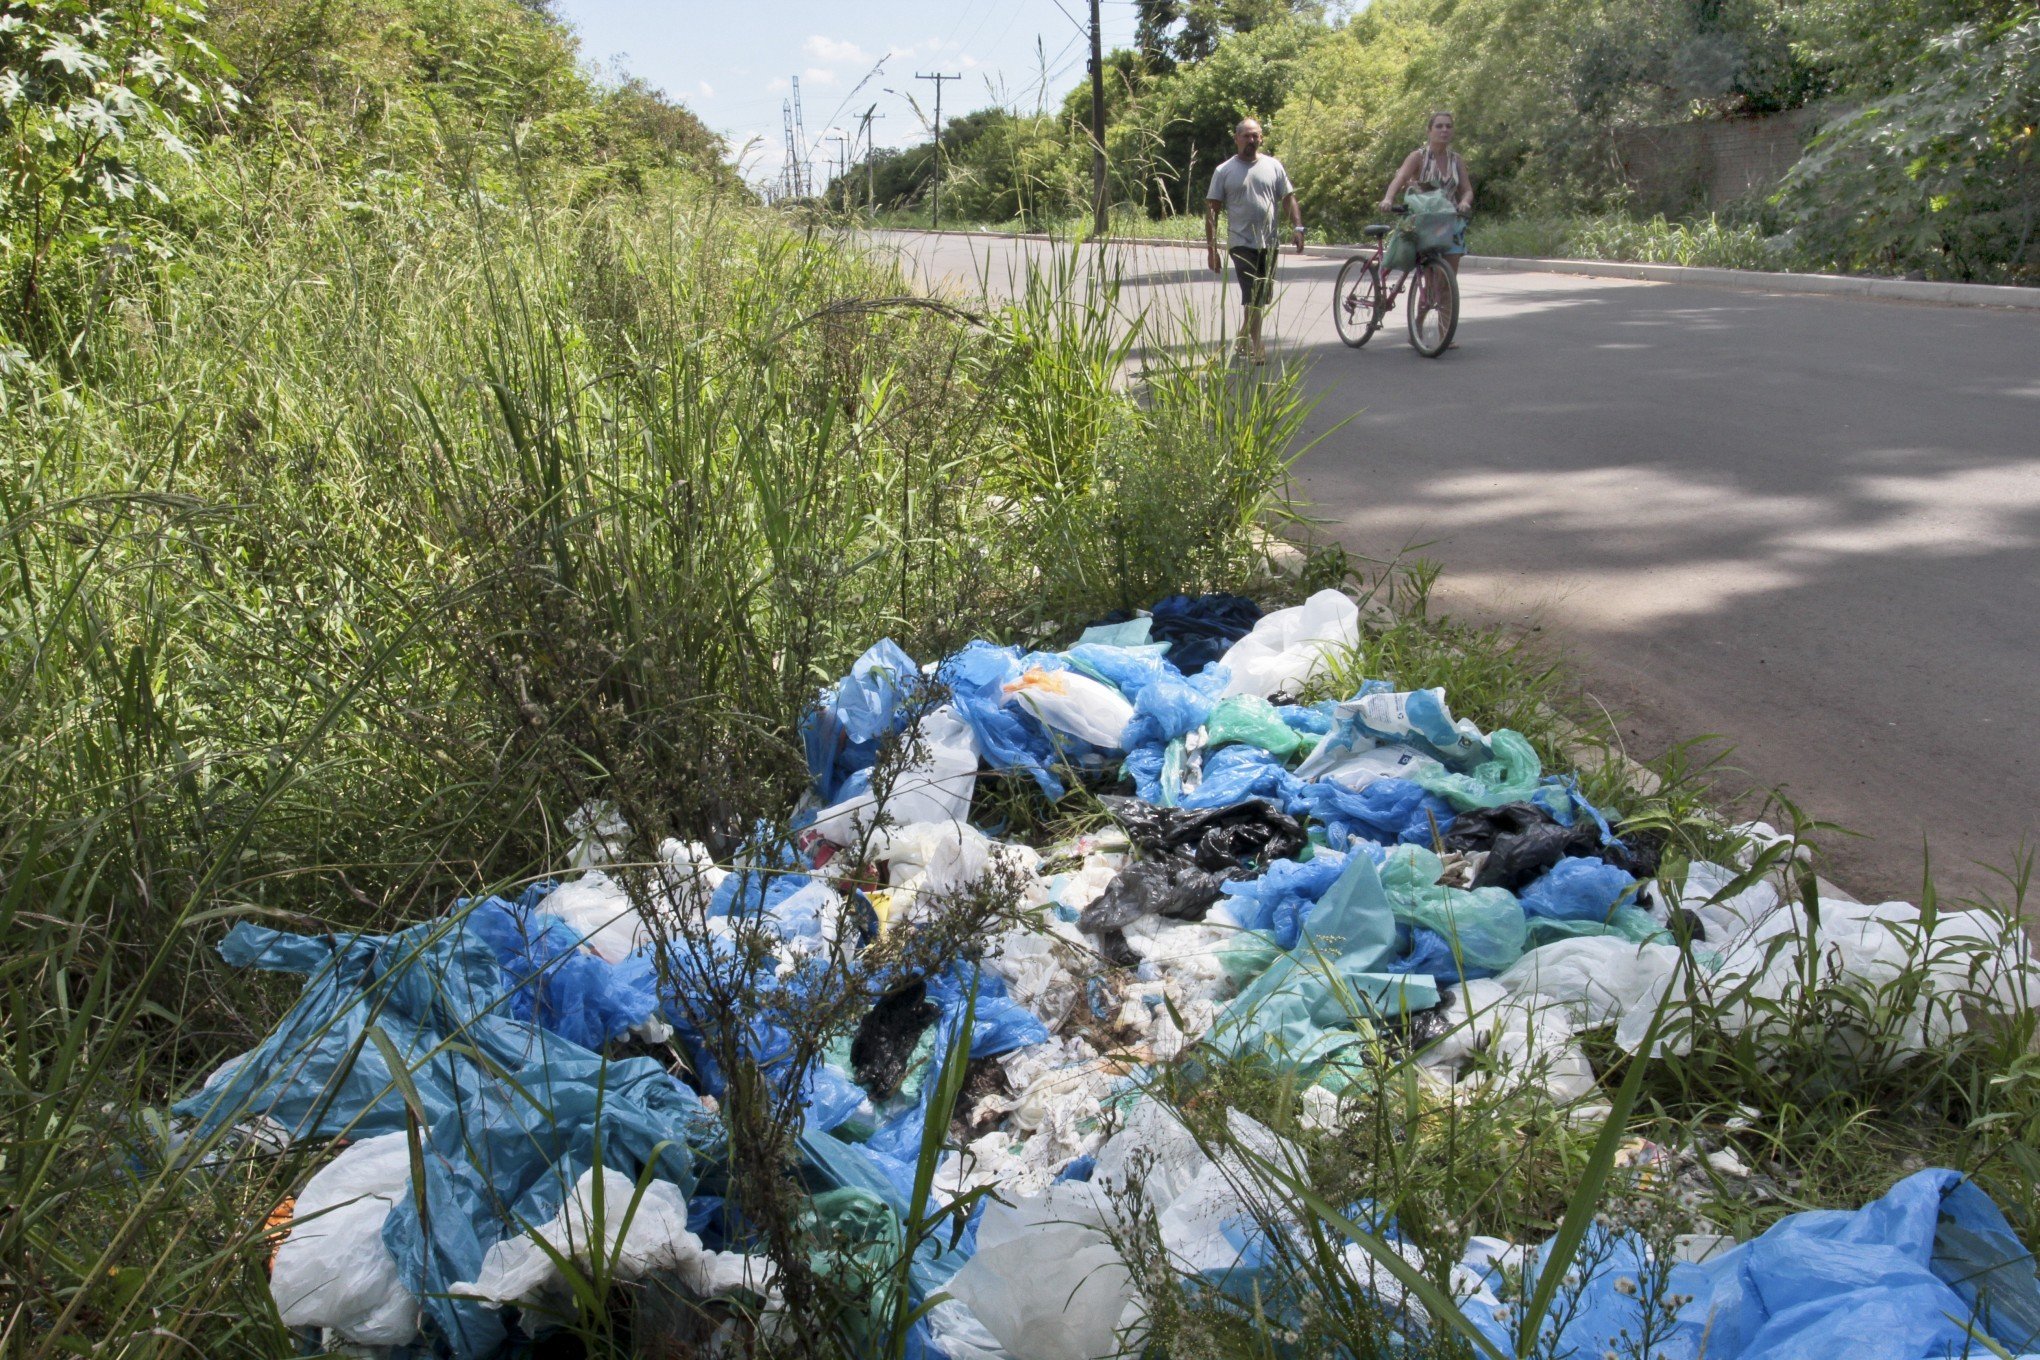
<point x="1900" y="1279"/>
<point x="507" y="1112"/>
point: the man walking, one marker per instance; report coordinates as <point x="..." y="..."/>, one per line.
<point x="1251" y="187"/>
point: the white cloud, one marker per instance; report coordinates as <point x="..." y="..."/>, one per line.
<point x="707" y="91"/>
<point x="966" y="61"/>
<point x="833" y="50"/>
<point x="778" y="85"/>
<point x="815" y="75"/>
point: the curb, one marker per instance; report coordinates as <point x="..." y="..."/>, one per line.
<point x="1764" y="281"/>
<point x="1747" y="280"/>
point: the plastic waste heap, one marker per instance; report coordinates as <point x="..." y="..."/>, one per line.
<point x="1278" y="878"/>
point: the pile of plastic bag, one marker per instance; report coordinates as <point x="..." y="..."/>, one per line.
<point x="1286" y="880"/>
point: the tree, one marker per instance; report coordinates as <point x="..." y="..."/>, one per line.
<point x="1942" y="176"/>
<point x="1172" y="32"/>
<point x="91" y="91"/>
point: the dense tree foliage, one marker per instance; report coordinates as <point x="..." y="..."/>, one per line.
<point x="106" y="107"/>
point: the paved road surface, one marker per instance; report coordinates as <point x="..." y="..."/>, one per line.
<point x="1810" y="525"/>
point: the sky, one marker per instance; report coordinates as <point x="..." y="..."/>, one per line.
<point x="733" y="65"/>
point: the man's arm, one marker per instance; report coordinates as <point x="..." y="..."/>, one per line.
<point x="1211" y="207"/>
<point x="1295" y="218"/>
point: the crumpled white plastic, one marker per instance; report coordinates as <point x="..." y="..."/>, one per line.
<point x="1522" y="1039"/>
<point x="1595" y="980"/>
<point x="333" y="1270"/>
<point x="1043" y="966"/>
<point x="934" y="788"/>
<point x="633" y="1243"/>
<point x="1187" y="953"/>
<point x="1072" y="702"/>
<point x="927" y="861"/>
<point x="1286" y="647"/>
<point x="1048" y="1282"/>
<point x="596" y="906"/>
<point x="1866" y="947"/>
<point x="600" y="834"/>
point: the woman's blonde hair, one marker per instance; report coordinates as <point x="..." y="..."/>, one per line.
<point x="1441" y="113"/>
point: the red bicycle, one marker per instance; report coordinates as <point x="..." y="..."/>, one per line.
<point x="1364" y="295"/>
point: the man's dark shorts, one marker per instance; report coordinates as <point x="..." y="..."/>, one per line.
<point x="1255" y="269"/>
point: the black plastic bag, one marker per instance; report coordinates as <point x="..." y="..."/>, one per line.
<point x="1522" y="841"/>
<point x="1236" y="841"/>
<point x="1161" y="887"/>
<point x="887" y="1037"/>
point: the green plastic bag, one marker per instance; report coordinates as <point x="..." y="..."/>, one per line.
<point x="1402" y="250"/>
<point x="1433" y="222"/>
<point x="1484" y="925"/>
<point x="1253" y="721"/>
<point x="1511" y="777"/>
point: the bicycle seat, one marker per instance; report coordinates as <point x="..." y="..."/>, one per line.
<point x="1378" y="229"/>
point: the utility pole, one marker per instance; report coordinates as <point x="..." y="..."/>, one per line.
<point x="870" y="175"/>
<point x="1097" y="126"/>
<point x="791" y="170"/>
<point x="842" y="165"/>
<point x="938" y="79"/>
<point x="803" y="177"/>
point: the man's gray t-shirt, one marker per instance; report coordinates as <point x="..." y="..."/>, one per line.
<point x="1251" y="194"/>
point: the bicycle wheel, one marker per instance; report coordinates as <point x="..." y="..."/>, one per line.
<point x="1433" y="307"/>
<point x="1357" y="301"/>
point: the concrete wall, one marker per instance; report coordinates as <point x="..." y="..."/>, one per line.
<point x="1681" y="166"/>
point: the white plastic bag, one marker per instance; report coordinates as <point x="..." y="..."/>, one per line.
<point x="333" y="1270"/>
<point x="633" y="1242"/>
<point x="1596" y="979"/>
<point x="1072" y="702"/>
<point x="927" y="861"/>
<point x="935" y="788"/>
<point x="1046" y="1279"/>
<point x="598" y="909"/>
<point x="1288" y="646"/>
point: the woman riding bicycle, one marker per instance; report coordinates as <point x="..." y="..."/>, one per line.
<point x="1436" y="166"/>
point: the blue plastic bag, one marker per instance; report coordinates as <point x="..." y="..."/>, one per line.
<point x="509" y="1113"/>
<point x="1386" y="811"/>
<point x="1008" y="738"/>
<point x="1877" y="1283"/>
<point x="843" y="731"/>
<point x="1578" y="890"/>
<point x="1278" y="900"/>
<point x="1304" y="1008"/>
<point x="1235" y="774"/>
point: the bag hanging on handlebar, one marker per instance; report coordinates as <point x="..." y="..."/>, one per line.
<point x="1433" y="221"/>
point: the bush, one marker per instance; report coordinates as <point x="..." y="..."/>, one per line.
<point x="1941" y="177"/>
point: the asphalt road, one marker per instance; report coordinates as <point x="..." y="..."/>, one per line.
<point x="1808" y="525"/>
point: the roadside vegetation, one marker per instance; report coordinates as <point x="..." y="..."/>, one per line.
<point x="1919" y="157"/>
<point x="407" y="441"/>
